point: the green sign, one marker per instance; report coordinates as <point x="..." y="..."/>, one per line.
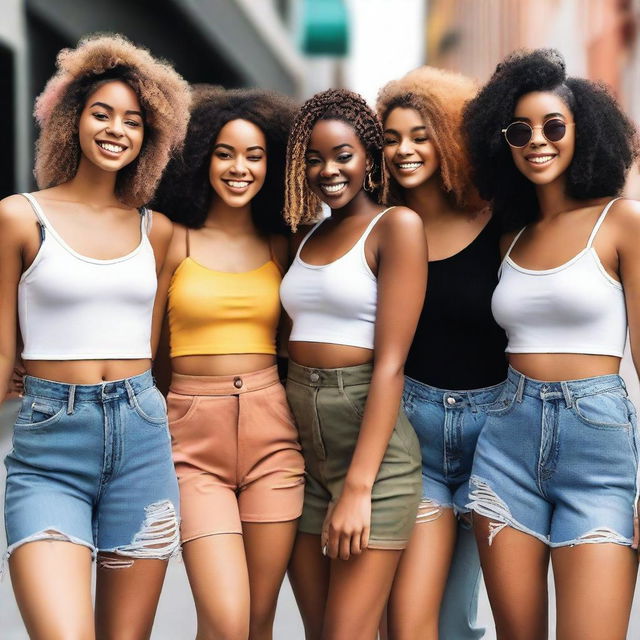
<point x="325" y="27"/>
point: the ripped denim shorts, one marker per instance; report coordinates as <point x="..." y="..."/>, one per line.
<point x="91" y="464"/>
<point x="559" y="461"/>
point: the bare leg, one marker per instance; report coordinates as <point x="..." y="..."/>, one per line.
<point x="309" y="577"/>
<point x="52" y="584"/>
<point x="268" y="549"/>
<point x="217" y="571"/>
<point x="127" y="597"/>
<point x="358" y="590"/>
<point x="421" y="578"/>
<point x="515" y="570"/>
<point x="594" y="590"/>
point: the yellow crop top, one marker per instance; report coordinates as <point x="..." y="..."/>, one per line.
<point x="217" y="312"/>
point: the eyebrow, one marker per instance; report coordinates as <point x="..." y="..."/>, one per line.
<point x="108" y="107"/>
<point x="549" y="115"/>
<point x="338" y="146"/>
<point x="232" y="148"/>
<point x="418" y="128"/>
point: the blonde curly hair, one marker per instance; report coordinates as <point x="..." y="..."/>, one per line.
<point x="163" y="94"/>
<point x="439" y="96"/>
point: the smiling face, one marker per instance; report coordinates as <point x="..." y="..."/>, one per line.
<point x="238" y="165"/>
<point x="409" y="152"/>
<point x="336" y="163"/>
<point x="111" y="126"/>
<point x="540" y="160"/>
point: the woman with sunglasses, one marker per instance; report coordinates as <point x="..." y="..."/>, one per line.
<point x="456" y="363"/>
<point x="554" y="475"/>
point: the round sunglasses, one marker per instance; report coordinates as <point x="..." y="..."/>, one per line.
<point x="518" y="134"/>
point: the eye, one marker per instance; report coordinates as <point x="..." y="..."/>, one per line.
<point x="254" y="158"/>
<point x="99" y="115"/>
<point x="312" y="162"/>
<point x="344" y="157"/>
<point x="133" y="123"/>
<point x="223" y="155"/>
<point x="421" y="139"/>
<point x="390" y="141"/>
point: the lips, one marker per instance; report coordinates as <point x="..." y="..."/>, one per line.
<point x="111" y="147"/>
<point x="332" y="189"/>
<point x="237" y="186"/>
<point x="540" y="159"/>
<point x="408" y="166"/>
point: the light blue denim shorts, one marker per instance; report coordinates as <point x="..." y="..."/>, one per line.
<point x="448" y="424"/>
<point x="559" y="461"/>
<point x="91" y="464"/>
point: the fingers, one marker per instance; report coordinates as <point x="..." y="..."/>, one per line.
<point x="636" y="530"/>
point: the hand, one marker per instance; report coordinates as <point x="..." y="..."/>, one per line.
<point x="16" y="384"/>
<point x="346" y="527"/>
<point x="636" y="529"/>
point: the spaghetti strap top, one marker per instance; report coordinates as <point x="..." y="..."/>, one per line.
<point x="576" y="307"/>
<point x="335" y="302"/>
<point x="73" y="307"/>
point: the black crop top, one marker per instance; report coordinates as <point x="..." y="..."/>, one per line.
<point x="458" y="344"/>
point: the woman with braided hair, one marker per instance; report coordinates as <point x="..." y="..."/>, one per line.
<point x="456" y="363"/>
<point x="354" y="294"/>
<point x="90" y="472"/>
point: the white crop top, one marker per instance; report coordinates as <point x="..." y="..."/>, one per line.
<point x="336" y="302"/>
<point x="574" y="308"/>
<point x="72" y="307"/>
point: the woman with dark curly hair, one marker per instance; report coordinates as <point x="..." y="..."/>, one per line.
<point x="351" y="274"/>
<point x="90" y="471"/>
<point x="554" y="475"/>
<point x="235" y="444"/>
<point x="456" y="362"/>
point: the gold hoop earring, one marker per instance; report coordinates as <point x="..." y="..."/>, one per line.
<point x="369" y="185"/>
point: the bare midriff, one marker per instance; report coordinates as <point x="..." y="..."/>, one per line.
<point x="323" y="355"/>
<point x="222" y="365"/>
<point x="86" y="371"/>
<point x="554" y="367"/>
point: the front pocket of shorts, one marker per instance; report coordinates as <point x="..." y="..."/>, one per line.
<point x="180" y="408"/>
<point x="606" y="410"/>
<point x="36" y="414"/>
<point x="356" y="397"/>
<point x="504" y="404"/>
<point x="150" y="406"/>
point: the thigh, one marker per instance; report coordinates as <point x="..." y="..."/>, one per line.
<point x="127" y="597"/>
<point x="515" y="567"/>
<point x="594" y="590"/>
<point x="421" y="577"/>
<point x="217" y="571"/>
<point x="358" y="590"/>
<point x="309" y="578"/>
<point x="52" y="585"/>
<point x="268" y="549"/>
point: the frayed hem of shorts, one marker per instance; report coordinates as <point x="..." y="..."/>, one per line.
<point x="598" y="535"/>
<point x="388" y="545"/>
<point x="44" y="535"/>
<point x="258" y="519"/>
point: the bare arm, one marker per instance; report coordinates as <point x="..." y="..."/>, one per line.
<point x="402" y="276"/>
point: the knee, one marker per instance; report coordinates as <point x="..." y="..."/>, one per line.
<point x="222" y="630"/>
<point x="261" y="623"/>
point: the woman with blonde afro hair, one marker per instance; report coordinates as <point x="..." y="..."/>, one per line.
<point x="456" y="362"/>
<point x="90" y="473"/>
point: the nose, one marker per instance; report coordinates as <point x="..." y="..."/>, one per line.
<point x="405" y="148"/>
<point x="238" y="167"/>
<point x="114" y="129"/>
<point x="537" y="139"/>
<point x="329" y="169"/>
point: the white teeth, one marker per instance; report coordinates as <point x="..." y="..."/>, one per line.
<point x="114" y="148"/>
<point x="239" y="184"/>
<point x="540" y="159"/>
<point x="333" y="188"/>
<point x="409" y="165"/>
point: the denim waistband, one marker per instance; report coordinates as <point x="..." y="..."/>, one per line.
<point x="126" y="388"/>
<point x="189" y="385"/>
<point x="343" y="377"/>
<point x="566" y="389"/>
<point x="463" y="398"/>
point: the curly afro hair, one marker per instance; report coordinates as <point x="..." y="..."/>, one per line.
<point x="301" y="205"/>
<point x="185" y="192"/>
<point x="605" y="144"/>
<point x="163" y="95"/>
<point x="439" y="97"/>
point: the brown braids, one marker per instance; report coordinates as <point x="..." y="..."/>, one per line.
<point x="301" y="205"/>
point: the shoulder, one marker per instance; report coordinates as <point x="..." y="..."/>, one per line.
<point x="280" y="249"/>
<point x="623" y="218"/>
<point x="400" y="223"/>
<point x="161" y="226"/>
<point x="506" y="239"/>
<point x="16" y="214"/>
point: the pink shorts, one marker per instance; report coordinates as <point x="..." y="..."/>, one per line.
<point x="236" y="452"/>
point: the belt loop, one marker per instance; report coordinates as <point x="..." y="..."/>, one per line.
<point x="340" y="380"/>
<point x="71" y="399"/>
<point x="566" y="392"/>
<point x="130" y="392"/>
<point x="520" y="391"/>
<point x="472" y="404"/>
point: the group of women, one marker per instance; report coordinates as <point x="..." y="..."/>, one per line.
<point x="366" y="485"/>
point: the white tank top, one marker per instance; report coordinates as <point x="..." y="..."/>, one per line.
<point x="72" y="307"/>
<point x="336" y="302"/>
<point x="574" y="308"/>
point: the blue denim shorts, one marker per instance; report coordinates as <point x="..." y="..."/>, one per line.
<point x="448" y="424"/>
<point x="91" y="464"/>
<point x="559" y="461"/>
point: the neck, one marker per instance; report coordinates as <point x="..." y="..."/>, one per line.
<point x="429" y="200"/>
<point x="93" y="185"/>
<point x="552" y="198"/>
<point x="235" y="220"/>
<point x="358" y="204"/>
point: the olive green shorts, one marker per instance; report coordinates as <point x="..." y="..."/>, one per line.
<point x="328" y="405"/>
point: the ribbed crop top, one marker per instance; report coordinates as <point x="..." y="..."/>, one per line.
<point x="574" y="308"/>
<point x="217" y="312"/>
<point x="72" y="307"/>
<point x="335" y="302"/>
